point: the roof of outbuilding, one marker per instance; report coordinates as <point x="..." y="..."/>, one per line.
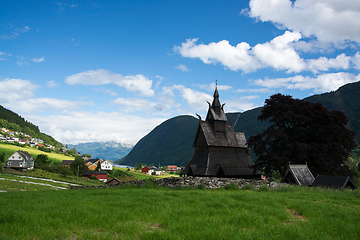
<point x="299" y="174"/>
<point x="333" y="182"/>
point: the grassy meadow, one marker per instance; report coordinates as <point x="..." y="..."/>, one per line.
<point x="10" y="149"/>
<point x="155" y="212"/>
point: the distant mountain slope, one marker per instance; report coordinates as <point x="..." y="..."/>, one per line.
<point x="171" y="142"/>
<point x="103" y="150"/>
<point x="15" y="122"/>
<point x="345" y="99"/>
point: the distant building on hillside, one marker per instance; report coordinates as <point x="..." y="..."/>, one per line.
<point x="219" y="150"/>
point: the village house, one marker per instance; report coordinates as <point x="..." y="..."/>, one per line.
<point x="106" y="165"/>
<point x="172" y="168"/>
<point x="151" y="170"/>
<point x="66" y="163"/>
<point x="100" y="175"/>
<point x="20" y="160"/>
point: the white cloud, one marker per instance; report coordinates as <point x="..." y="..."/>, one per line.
<point x="196" y="100"/>
<point x="22" y="30"/>
<point x="323" y="64"/>
<point x="77" y="127"/>
<point x="321" y="83"/>
<point x="356" y="60"/>
<point x="12" y="90"/>
<point x="240" y="104"/>
<point x="31" y="105"/>
<point x="51" y="84"/>
<point x="140" y="104"/>
<point x="211" y="87"/>
<point x="182" y="67"/>
<point x="235" y="58"/>
<point x="329" y="20"/>
<point x="6" y="54"/>
<point x="279" y="54"/>
<point x="255" y="90"/>
<point x="38" y="60"/>
<point x="137" y="83"/>
<point x="106" y="91"/>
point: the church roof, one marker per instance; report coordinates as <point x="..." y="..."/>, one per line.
<point x="228" y="138"/>
<point x="216" y="112"/>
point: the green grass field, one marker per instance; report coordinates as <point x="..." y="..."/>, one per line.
<point x="10" y="149"/>
<point x="160" y="213"/>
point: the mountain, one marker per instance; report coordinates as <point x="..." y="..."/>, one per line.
<point x="14" y="122"/>
<point x="104" y="150"/>
<point x="171" y="142"/>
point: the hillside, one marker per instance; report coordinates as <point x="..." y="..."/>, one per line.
<point x="14" y="122"/>
<point x="171" y="141"/>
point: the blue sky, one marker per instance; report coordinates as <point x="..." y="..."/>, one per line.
<point x="86" y="71"/>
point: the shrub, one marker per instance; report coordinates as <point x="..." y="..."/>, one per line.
<point x="232" y="186"/>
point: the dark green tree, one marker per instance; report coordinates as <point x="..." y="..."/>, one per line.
<point x="302" y="132"/>
<point x="42" y="161"/>
<point x="98" y="166"/>
<point x="78" y="165"/>
<point x="2" y="157"/>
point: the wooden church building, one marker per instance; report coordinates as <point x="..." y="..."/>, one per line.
<point x="219" y="150"/>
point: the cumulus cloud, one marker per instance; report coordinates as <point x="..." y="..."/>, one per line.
<point x="78" y="127"/>
<point x="140" y="104"/>
<point x="182" y="67"/>
<point x="233" y="57"/>
<point x="328" y="20"/>
<point x="211" y="87"/>
<point x="51" y="84"/>
<point x="31" y="105"/>
<point x="323" y="64"/>
<point x="137" y="83"/>
<point x="356" y="60"/>
<point x="14" y="89"/>
<point x="240" y="104"/>
<point x="38" y="60"/>
<point x="279" y="54"/>
<point x="321" y="83"/>
<point x="196" y="100"/>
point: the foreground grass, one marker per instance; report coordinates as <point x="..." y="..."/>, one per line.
<point x="160" y="213"/>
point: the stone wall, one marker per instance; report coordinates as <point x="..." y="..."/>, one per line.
<point x="204" y="182"/>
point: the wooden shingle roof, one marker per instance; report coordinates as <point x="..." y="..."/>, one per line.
<point x="298" y="174"/>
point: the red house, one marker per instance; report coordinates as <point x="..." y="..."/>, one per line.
<point x="145" y="169"/>
<point x="171" y="168"/>
<point x="100" y="175"/>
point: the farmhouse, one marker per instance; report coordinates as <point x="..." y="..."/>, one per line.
<point x="66" y="163"/>
<point x="100" y="175"/>
<point x="219" y="150"/>
<point x="20" y="160"/>
<point x="172" y="168"/>
<point x="150" y="170"/>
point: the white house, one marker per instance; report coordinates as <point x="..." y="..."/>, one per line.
<point x="106" y="165"/>
<point x="20" y="160"/>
